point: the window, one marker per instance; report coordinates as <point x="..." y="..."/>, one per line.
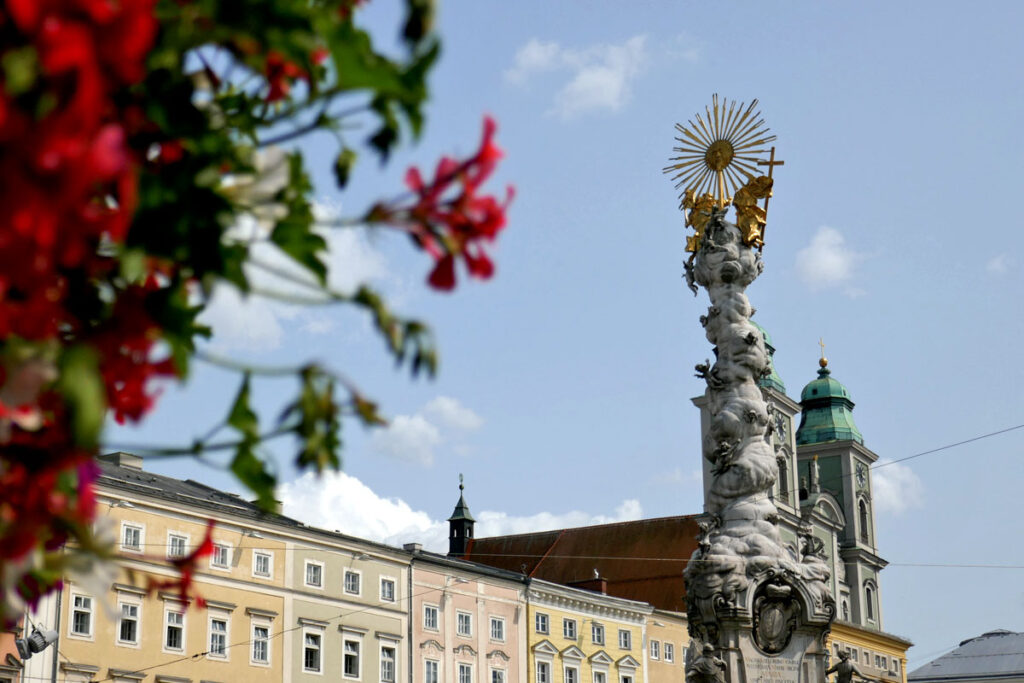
<point x="863" y="507"/>
<point x="464" y="623"/>
<point x="869" y="602"/>
<point x="498" y="629"/>
<point x="878" y="662"/>
<point x="540" y="623"/>
<point x="352" y="582"/>
<point x="430" y="617"/>
<point x="350" y="662"/>
<point x="543" y="672"/>
<point x="221" y="557"/>
<point x="314" y="574"/>
<point x="262" y="563"/>
<point x="177" y="545"/>
<point x="572" y="675"/>
<point x="626" y="679"/>
<point x="597" y="634"/>
<point x="465" y="673"/>
<point x="174" y="631"/>
<point x="128" y="625"/>
<point x="896" y="665"/>
<point x="599" y="677"/>
<point x="430" y="671"/>
<point x="131" y="537"/>
<point x="81" y="616"/>
<point x="218" y="637"/>
<point x="261" y="643"/>
<point x="387" y="590"/>
<point x="387" y="665"/>
<point x="668" y="649"/>
<point x="311" y="652"/>
<point x="497" y="676"/>
<point x="625" y="639"/>
<point x="655" y="649"/>
<point x="569" y="628"/>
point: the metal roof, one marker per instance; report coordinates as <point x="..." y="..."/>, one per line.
<point x="995" y="654"/>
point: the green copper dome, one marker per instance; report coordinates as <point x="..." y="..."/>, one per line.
<point x="827" y="413"/>
<point x="770" y="381"/>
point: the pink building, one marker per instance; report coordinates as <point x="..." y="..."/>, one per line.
<point x="468" y="621"/>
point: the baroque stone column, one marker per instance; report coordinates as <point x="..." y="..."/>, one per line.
<point x="758" y="610"/>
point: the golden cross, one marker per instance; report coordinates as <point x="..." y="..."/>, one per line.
<point x="821" y="343"/>
<point x="771" y="164"/>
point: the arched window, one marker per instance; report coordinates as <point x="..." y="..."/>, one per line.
<point x="783" y="481"/>
<point x="869" y="602"/>
<point x="864" y="524"/>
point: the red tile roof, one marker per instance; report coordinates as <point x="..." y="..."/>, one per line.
<point x="641" y="560"/>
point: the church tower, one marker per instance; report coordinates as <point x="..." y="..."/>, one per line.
<point x="460" y="526"/>
<point x="832" y="459"/>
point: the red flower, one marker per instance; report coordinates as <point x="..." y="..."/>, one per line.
<point x="186" y="567"/>
<point x="280" y="72"/>
<point x="456" y="226"/>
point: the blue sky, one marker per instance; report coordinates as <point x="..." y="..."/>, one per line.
<point x="565" y="383"/>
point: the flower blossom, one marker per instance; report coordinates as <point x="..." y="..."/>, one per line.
<point x="450" y="219"/>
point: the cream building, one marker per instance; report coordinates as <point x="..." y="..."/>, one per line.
<point x="283" y="602"/>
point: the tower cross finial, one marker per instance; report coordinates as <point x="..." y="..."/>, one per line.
<point x="824" y="361"/>
<point x="461" y="487"/>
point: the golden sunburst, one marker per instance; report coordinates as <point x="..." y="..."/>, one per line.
<point x="719" y="153"/>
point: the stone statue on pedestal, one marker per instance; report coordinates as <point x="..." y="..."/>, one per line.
<point x="764" y="605"/>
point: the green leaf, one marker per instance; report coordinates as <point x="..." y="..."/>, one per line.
<point x="82" y="386"/>
<point x="317" y="424"/>
<point x="241" y="416"/>
<point x="294" y="233"/>
<point x="20" y="67"/>
<point x="252" y="472"/>
<point x="418" y="22"/>
<point x="343" y="166"/>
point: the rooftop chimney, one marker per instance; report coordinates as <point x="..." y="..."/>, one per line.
<point x="122" y="459"/>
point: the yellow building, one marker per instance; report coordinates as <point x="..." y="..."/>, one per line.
<point x="580" y="636"/>
<point x="878" y="655"/>
<point x="667" y="640"/>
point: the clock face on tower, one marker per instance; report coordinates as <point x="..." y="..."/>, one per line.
<point x="862" y="475"/>
<point x="781" y="427"/>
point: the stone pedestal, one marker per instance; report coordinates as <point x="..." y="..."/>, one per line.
<point x="770" y="635"/>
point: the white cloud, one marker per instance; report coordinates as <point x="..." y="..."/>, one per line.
<point x="599" y="77"/>
<point x="533" y="57"/>
<point x="336" y="500"/>
<point x="896" y="487"/>
<point x="1000" y="265"/>
<point x="828" y="262"/>
<point x="408" y="437"/>
<point x="452" y="414"/>
<point x="244" y="323"/>
<point x="415" y="438"/>
<point x="253" y="323"/>
<point x="339" y="501"/>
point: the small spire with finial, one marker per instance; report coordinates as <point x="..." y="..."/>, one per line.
<point x="461" y="485"/>
<point x="823" y="362"/>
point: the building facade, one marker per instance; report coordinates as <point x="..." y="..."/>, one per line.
<point x="468" y="622"/>
<point x="580" y="636"/>
<point x="280" y="601"/>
